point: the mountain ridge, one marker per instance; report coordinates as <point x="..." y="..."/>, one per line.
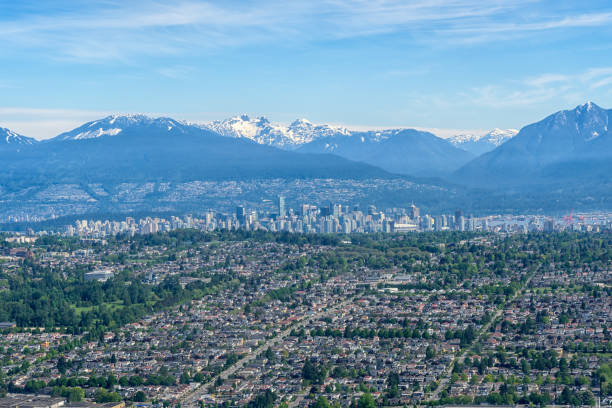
<point x="9" y="139"/>
<point x="577" y="137"/>
<point x="480" y="144"/>
<point x="404" y="151"/>
<point x="162" y="149"/>
<point x="113" y="125"/>
<point x="262" y="131"/>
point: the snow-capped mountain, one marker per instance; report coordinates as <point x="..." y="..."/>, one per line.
<point x="404" y="151"/>
<point x="304" y="131"/>
<point x="499" y="136"/>
<point x="140" y="149"/>
<point x="115" y="124"/>
<point x="10" y="138"/>
<point x="262" y="131"/>
<point x="359" y="140"/>
<point x="568" y="145"/>
<point x="479" y="144"/>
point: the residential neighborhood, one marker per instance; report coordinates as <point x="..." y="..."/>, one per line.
<point x="223" y="318"/>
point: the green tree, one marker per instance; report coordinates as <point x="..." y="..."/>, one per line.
<point x="313" y="373"/>
<point x="103" y="396"/>
<point x="76" y="394"/>
<point x="62" y="365"/>
<point x="366" y="401"/>
<point x="185" y="378"/>
<point x="321" y="402"/>
<point x="265" y="400"/>
<point x="139" y="397"/>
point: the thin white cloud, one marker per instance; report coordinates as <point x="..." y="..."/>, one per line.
<point x="546" y="79"/>
<point x="45" y="112"/>
<point x="112" y="30"/>
<point x="43" y="123"/>
<point x="131" y="29"/>
<point x="545" y="88"/>
<point x="578" y="21"/>
<point x="41" y="128"/>
<point x="495" y="31"/>
<point x="604" y="82"/>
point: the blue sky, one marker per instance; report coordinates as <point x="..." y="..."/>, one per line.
<point x="435" y="64"/>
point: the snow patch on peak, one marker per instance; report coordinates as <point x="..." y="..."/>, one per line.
<point x="8" y="137"/>
<point x="499" y="136"/>
<point x="262" y="131"/>
<point x="300" y="122"/>
<point x="482" y="143"/>
<point x="594" y="135"/>
<point x="461" y="138"/>
<point x="96" y="133"/>
<point x="495" y="137"/>
<point x="115" y="124"/>
<point x="588" y="107"/>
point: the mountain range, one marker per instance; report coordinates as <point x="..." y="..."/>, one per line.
<point x="568" y="153"/>
<point x="301" y="132"/>
<point x="262" y="131"/>
<point x="401" y="151"/>
<point x="119" y="149"/>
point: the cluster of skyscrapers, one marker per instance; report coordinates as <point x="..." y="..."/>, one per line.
<point x="330" y="218"/>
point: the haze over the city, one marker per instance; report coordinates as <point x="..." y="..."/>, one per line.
<point x="449" y="66"/>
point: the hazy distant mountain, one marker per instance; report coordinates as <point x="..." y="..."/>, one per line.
<point x="137" y="148"/>
<point x="404" y="151"/>
<point x="262" y="131"/>
<point x="566" y="148"/>
<point x="480" y="144"/>
<point x="12" y="140"/>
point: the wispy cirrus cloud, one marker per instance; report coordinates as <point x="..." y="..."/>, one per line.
<point x="487" y="31"/>
<point x="106" y="30"/>
<point x="539" y="89"/>
<point x="109" y="30"/>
